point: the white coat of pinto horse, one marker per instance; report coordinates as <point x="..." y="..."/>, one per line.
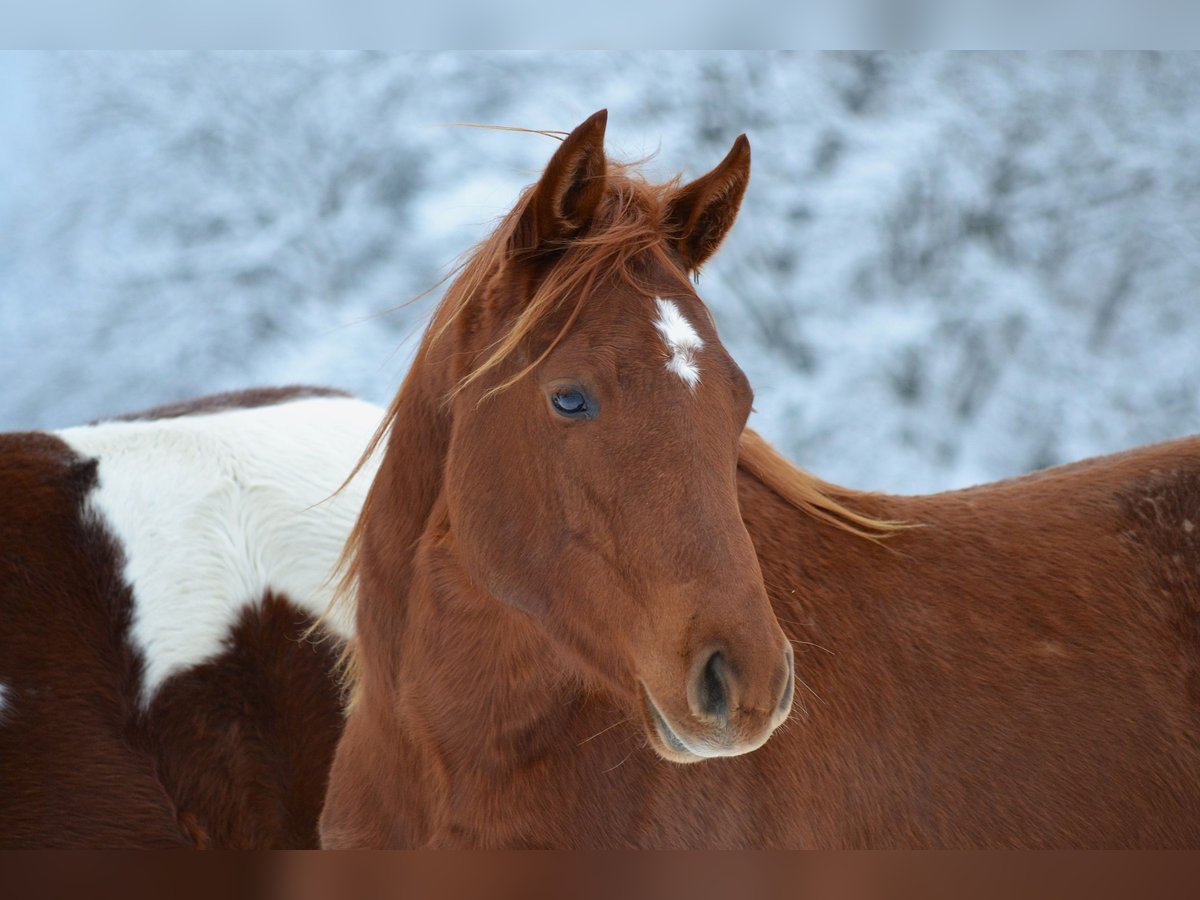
<point x="158" y="574"/>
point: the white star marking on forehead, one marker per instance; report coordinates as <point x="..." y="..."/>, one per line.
<point x="681" y="340"/>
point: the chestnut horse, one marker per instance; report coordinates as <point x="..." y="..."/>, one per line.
<point x="157" y="575"/>
<point x="566" y="637"/>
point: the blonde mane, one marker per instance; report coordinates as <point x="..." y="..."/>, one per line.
<point x="808" y="493"/>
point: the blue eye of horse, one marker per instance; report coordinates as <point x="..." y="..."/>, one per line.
<point x="570" y="403"/>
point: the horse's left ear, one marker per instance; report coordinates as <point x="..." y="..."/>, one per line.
<point x="701" y="213"/>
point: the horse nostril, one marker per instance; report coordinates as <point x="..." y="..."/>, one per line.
<point x="713" y="693"/>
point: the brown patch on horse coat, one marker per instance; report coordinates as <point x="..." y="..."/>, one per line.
<point x="244" y="740"/>
<point x="74" y="769"/>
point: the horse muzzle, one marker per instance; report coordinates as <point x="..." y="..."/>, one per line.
<point x="721" y="719"/>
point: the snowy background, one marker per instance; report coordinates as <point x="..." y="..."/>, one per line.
<point x="948" y="268"/>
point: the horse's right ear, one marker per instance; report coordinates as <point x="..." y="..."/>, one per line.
<point x="701" y="213"/>
<point x="563" y="202"/>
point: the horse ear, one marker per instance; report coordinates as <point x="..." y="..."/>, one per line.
<point x="701" y="213"/>
<point x="565" y="199"/>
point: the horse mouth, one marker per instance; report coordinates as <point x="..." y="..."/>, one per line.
<point x="668" y="743"/>
<point x="673" y="747"/>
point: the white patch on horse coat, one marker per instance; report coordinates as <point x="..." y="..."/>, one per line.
<point x="681" y="340"/>
<point x="213" y="510"/>
<point x="3" y="701"/>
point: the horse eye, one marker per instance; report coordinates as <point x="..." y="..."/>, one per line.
<point x="570" y="403"/>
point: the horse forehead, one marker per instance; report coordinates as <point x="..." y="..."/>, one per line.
<point x="680" y="339"/>
<point x="664" y="333"/>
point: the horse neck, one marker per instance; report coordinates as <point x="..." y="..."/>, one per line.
<point x="479" y="679"/>
<point x="406" y="486"/>
<point x="421" y="621"/>
<point x="813" y="570"/>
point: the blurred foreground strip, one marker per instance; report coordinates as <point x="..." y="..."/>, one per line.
<point x="905" y="875"/>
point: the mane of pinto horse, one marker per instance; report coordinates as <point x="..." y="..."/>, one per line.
<point x="157" y="575"/>
<point x="560" y="607"/>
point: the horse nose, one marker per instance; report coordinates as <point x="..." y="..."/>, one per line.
<point x="716" y="690"/>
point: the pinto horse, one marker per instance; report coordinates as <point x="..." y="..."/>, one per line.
<point x="157" y="575"/>
<point x="588" y="600"/>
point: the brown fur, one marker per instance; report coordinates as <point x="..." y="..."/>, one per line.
<point x="1009" y="674"/>
<point x="244" y="741"/>
<point x="231" y="753"/>
<point x="1018" y="669"/>
<point x="72" y="770"/>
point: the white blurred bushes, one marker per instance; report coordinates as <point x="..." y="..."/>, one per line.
<point x="948" y="268"/>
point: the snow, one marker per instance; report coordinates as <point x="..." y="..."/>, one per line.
<point x="949" y="268"/>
